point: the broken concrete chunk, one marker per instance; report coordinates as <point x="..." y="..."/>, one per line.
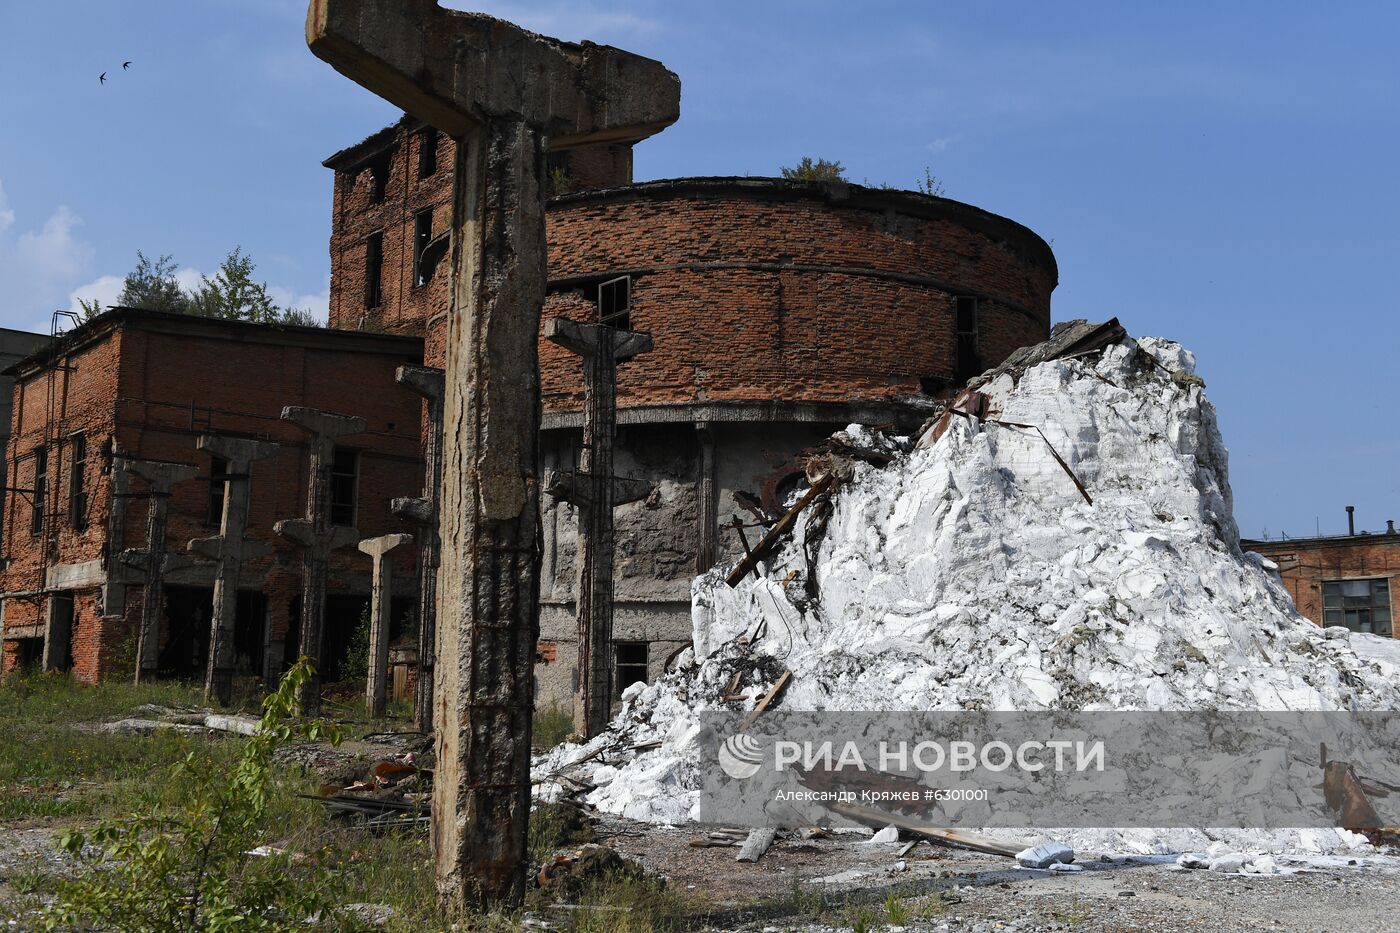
<point x="888" y="834"/>
<point x="1230" y="863"/>
<point x="242" y="725"/>
<point x="758" y="843"/>
<point x="1045" y="855"/>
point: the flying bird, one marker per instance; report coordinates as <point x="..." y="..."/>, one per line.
<point x="102" y="78"/>
<point x="126" y="65"/>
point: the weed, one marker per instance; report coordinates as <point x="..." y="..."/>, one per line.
<point x="631" y="903"/>
<point x="550" y="726"/>
<point x="897" y="911"/>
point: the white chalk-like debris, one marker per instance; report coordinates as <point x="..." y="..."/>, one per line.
<point x="971" y="572"/>
<point x="888" y="834"/>
<point x="1045" y="855"/>
<point x="1229" y="863"/>
<point x="1064" y="866"/>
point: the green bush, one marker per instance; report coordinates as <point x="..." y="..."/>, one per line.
<point x="810" y="169"/>
<point x="354" y="668"/>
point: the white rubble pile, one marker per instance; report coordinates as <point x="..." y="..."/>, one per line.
<point x="971" y="573"/>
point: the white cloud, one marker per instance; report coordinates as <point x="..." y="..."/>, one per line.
<point x="52" y="252"/>
<point x="189" y="279"/>
<point x="319" y="303"/>
<point x="7" y="216"/>
<point x="942" y="143"/>
<point x="40" y="267"/>
<point x="104" y="290"/>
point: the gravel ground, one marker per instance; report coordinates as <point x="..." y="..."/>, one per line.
<point x="945" y="889"/>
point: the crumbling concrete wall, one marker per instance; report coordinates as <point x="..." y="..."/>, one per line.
<point x="656" y="539"/>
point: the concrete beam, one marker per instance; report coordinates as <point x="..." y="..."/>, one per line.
<point x="457" y="71"/>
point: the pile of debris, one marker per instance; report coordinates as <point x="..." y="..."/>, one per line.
<point x="1061" y="538"/>
<point x="395" y="793"/>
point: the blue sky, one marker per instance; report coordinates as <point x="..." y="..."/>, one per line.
<point x="1224" y="175"/>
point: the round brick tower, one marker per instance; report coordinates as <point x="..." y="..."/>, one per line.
<point x="779" y="310"/>
<point x="764" y="294"/>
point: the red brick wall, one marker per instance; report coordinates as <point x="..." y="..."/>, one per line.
<point x="406" y="307"/>
<point x="155" y="386"/>
<point x="1305" y="563"/>
<point x="78" y="396"/>
<point x="754" y="289"/>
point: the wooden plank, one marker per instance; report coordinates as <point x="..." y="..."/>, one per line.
<point x="759" y="841"/>
<point x="773" y="691"/>
<point x="872" y="817"/>
<point x="778" y="531"/>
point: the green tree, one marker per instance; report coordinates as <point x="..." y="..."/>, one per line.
<point x="299" y="317"/>
<point x="232" y="293"/>
<point x="151" y="285"/>
<point x="815" y="170"/>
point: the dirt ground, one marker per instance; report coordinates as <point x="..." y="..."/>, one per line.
<point x="62" y="776"/>
<point x="845" y="883"/>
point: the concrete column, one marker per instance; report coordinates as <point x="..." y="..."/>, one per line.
<point x="595" y="491"/>
<point x="427" y="382"/>
<point x="706" y="494"/>
<point x="229" y="549"/>
<point x="160" y="477"/>
<point x="507" y="96"/>
<point x="379" y="607"/>
<point x="316" y="535"/>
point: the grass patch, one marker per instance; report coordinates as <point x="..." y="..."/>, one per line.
<point x="51" y="771"/>
<point x="550" y="726"/>
<point x="632" y="904"/>
<point x="59" y="777"/>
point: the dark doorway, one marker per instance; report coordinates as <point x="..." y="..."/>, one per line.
<point x="29" y="653"/>
<point x="249" y="628"/>
<point x="60" y="632"/>
<point x="344" y="613"/>
<point x="188" y="611"/>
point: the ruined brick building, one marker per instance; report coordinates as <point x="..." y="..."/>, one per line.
<point x="780" y="311"/>
<point x="140" y="384"/>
